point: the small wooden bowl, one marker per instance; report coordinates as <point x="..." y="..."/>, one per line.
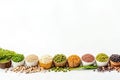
<point x="4" y="65"/>
<point x="115" y="64"/>
<point x="61" y="64"/>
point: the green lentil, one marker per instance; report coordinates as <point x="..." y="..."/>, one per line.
<point x="102" y="57"/>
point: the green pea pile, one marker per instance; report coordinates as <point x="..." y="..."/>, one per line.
<point x="59" y="69"/>
<point x="59" y="58"/>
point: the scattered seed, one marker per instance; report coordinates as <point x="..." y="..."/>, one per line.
<point x="27" y="70"/>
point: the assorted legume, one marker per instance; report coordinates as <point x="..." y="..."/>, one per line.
<point x="59" y="63"/>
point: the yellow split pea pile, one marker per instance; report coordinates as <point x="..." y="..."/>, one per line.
<point x="59" y="62"/>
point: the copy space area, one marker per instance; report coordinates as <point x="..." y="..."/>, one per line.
<point x="60" y="26"/>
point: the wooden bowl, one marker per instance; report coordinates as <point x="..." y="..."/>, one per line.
<point x="115" y="64"/>
<point x="61" y="64"/>
<point x="6" y="64"/>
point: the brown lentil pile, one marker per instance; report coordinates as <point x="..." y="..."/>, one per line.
<point x="88" y="58"/>
<point x="25" y="69"/>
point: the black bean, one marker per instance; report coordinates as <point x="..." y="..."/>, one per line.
<point x="115" y="57"/>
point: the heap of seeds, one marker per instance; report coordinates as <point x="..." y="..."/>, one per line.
<point x="25" y="69"/>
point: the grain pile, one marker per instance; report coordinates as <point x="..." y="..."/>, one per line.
<point x="31" y="60"/>
<point x="46" y="61"/>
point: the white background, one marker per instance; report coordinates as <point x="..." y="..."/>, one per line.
<point x="60" y="26"/>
